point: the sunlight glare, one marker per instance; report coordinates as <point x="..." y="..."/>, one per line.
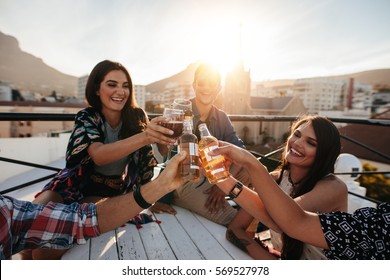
<point x="222" y="47"/>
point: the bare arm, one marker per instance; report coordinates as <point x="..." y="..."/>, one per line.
<point x="282" y="208"/>
<point x="103" y="154"/>
<point x="114" y="212"/>
<point x="328" y="195"/>
<point x="250" y="201"/>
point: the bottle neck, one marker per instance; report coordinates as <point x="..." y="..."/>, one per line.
<point x="187" y="126"/>
<point x="204" y="131"/>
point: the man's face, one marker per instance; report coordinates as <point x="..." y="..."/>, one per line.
<point x="206" y="88"/>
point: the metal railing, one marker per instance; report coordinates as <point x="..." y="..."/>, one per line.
<point x="233" y="118"/>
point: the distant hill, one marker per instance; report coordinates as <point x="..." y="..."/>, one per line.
<point x="26" y="72"/>
<point x="379" y="78"/>
<point x="186" y="75"/>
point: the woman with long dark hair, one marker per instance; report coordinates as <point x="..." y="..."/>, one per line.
<point x="306" y="174"/>
<point x="109" y="151"/>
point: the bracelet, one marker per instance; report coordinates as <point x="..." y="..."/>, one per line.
<point x="236" y="190"/>
<point x="139" y="198"/>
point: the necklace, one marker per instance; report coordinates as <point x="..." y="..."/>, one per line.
<point x="291" y="181"/>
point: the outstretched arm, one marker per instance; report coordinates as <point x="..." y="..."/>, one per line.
<point x="154" y="133"/>
<point x="287" y="214"/>
<point x="115" y="211"/>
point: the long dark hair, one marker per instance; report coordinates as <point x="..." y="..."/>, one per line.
<point x="328" y="149"/>
<point x="134" y="119"/>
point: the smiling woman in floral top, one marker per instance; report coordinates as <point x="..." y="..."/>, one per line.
<point x="109" y="151"/>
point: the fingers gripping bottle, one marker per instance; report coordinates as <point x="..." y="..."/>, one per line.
<point x="214" y="166"/>
<point x="189" y="168"/>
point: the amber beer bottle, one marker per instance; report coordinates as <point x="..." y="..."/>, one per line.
<point x="189" y="168"/>
<point x="214" y="166"/>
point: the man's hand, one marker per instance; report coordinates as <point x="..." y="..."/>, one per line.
<point x="160" y="207"/>
<point x="170" y="179"/>
<point x="216" y="200"/>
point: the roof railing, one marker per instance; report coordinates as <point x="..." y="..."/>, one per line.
<point x="233" y="118"/>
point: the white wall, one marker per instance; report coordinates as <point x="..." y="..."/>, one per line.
<point x="39" y="150"/>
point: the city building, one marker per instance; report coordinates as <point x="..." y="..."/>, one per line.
<point x="36" y="128"/>
<point x="277" y="106"/>
<point x="81" y="84"/>
<point x="319" y="94"/>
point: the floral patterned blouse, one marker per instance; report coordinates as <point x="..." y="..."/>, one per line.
<point x="89" y="128"/>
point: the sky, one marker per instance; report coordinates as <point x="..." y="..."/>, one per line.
<point x="276" y="39"/>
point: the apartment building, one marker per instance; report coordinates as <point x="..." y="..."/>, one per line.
<point x="36" y="128"/>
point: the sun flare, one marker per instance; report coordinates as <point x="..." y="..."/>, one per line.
<point x="222" y="47"/>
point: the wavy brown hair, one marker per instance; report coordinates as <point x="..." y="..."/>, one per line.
<point x="134" y="119"/>
<point x="328" y="149"/>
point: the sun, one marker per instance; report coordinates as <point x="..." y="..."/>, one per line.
<point x="222" y="47"/>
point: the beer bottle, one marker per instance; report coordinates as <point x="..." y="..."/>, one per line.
<point x="189" y="168"/>
<point x="214" y="166"/>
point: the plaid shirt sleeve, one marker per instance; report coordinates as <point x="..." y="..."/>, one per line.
<point x="24" y="225"/>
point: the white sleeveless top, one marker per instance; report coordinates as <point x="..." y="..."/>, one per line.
<point x="309" y="252"/>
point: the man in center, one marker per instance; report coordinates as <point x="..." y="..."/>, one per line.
<point x="201" y="197"/>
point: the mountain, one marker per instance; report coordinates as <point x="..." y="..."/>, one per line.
<point x="26" y="72"/>
<point x="379" y="78"/>
<point x="186" y="75"/>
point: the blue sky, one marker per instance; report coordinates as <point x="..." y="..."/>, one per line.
<point x="280" y="39"/>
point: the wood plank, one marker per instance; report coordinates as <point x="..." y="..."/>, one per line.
<point x="180" y="242"/>
<point x="210" y="248"/>
<point x="154" y="242"/>
<point x="130" y="245"/>
<point x="104" y="247"/>
<point x="219" y="233"/>
<point x="78" y="252"/>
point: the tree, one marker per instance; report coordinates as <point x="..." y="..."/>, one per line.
<point x="377" y="185"/>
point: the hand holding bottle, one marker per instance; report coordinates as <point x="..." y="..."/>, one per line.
<point x="214" y="165"/>
<point x="189" y="168"/>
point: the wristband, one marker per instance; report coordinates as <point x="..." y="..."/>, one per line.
<point x="139" y="199"/>
<point x="236" y="190"/>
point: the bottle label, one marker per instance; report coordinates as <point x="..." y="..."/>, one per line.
<point x="194" y="149"/>
<point x="209" y="149"/>
<point x="215" y="171"/>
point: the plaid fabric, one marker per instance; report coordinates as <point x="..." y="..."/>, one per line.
<point x="24" y="225"/>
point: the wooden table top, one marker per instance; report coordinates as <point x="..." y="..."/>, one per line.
<point x="184" y="236"/>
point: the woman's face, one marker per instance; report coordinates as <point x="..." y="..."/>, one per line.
<point x="114" y="91"/>
<point x="302" y="146"/>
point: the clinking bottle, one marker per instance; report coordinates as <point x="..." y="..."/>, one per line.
<point x="214" y="166"/>
<point x="189" y="168"/>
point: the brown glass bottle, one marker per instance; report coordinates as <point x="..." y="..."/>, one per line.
<point x="189" y="168"/>
<point x="214" y="166"/>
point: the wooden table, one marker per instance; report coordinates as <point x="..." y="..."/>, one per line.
<point x="184" y="236"/>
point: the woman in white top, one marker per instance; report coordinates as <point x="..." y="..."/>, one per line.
<point x="306" y="175"/>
